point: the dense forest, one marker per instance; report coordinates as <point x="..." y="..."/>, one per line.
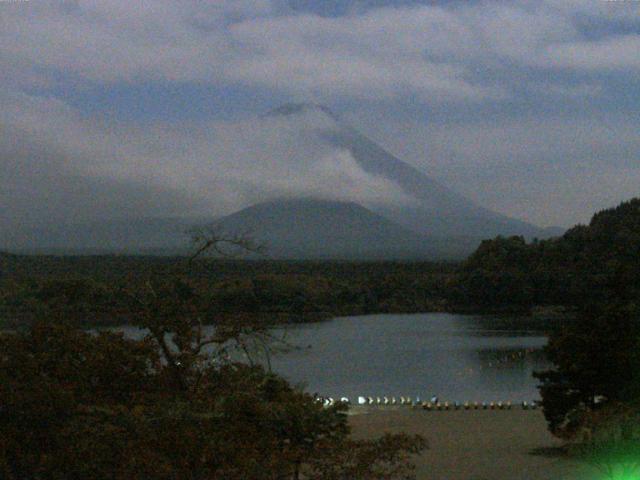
<point x="589" y="263"/>
<point x="98" y="290"/>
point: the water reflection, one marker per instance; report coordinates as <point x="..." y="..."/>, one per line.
<point x="510" y="358"/>
<point x="456" y="357"/>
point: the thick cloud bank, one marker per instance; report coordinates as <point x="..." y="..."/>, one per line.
<point x="528" y="107"/>
<point x="58" y="166"/>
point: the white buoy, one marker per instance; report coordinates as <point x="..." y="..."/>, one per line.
<point x="393" y="400"/>
<point x="362" y="400"/>
<point x="385" y="400"/>
<point x="345" y="400"/>
<point x="378" y="401"/>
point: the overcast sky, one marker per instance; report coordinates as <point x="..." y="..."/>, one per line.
<point x="530" y="108"/>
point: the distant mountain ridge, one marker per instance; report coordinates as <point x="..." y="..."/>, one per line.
<point x="314" y="228"/>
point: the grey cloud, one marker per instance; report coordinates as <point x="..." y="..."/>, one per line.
<point x="47" y="179"/>
<point x="556" y="89"/>
<point x="463" y="55"/>
<point x="429" y="51"/>
<point x="548" y="170"/>
<point x="382" y="53"/>
<point x="58" y="166"/>
<point x="616" y="53"/>
<point x="274" y="157"/>
<point x="606" y="10"/>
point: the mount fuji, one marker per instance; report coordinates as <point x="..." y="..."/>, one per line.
<point x="430" y="220"/>
<point x="326" y="191"/>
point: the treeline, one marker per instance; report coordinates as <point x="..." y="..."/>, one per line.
<point x="102" y="290"/>
<point x="588" y="264"/>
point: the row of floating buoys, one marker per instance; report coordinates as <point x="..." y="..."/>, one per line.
<point x="467" y="406"/>
<point x="388" y="401"/>
<point x="328" y="401"/>
<point x="432" y="405"/>
<point x="478" y="406"/>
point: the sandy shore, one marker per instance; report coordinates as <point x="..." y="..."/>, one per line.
<point x="476" y="445"/>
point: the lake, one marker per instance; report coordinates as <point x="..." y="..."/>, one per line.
<point x="457" y="357"/>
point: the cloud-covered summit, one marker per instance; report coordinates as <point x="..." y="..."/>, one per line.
<point x="527" y="107"/>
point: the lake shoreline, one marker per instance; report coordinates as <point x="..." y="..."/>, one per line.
<point x="456" y="357"/>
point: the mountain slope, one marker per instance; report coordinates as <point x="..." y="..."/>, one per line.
<point x="311" y="228"/>
<point x="436" y="211"/>
<point x="349" y="198"/>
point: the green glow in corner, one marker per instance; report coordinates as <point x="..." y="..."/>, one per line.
<point x="623" y="476"/>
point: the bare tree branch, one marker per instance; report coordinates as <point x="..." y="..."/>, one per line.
<point x="212" y="239"/>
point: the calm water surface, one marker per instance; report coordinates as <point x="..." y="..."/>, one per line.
<point x="457" y="357"/>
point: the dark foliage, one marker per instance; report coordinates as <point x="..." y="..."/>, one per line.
<point x="596" y="357"/>
<point x="588" y="264"/>
<point x="596" y="362"/>
<point x="75" y="405"/>
<point x="95" y="290"/>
